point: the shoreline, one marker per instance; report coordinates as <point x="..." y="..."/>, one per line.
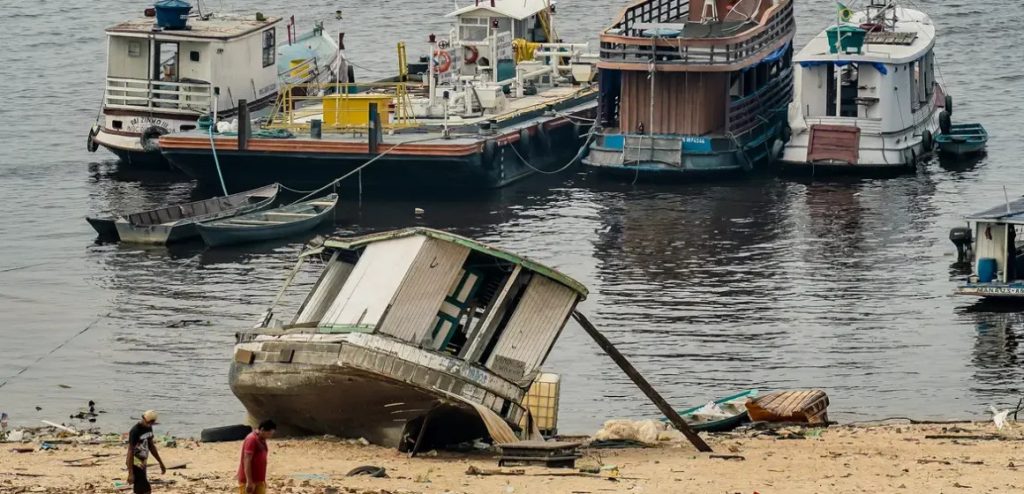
<point x="889" y="457"/>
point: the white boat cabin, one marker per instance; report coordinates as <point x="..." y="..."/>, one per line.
<point x="168" y="77"/>
<point x="444" y="294"/>
<point x="998" y="252"/>
<point x="497" y="50"/>
<point x="866" y="92"/>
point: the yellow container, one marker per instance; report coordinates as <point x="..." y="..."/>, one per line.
<point x="542" y="401"/>
<point x="353" y="110"/>
<point x="299" y="69"/>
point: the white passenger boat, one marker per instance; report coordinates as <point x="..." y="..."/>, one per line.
<point x="867" y="98"/>
<point x="174" y="65"/>
<point x="992" y="243"/>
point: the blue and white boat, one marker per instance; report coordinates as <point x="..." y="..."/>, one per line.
<point x="990" y="242"/>
<point x="693" y="88"/>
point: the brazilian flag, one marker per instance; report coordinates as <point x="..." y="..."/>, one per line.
<point x="844" y="12"/>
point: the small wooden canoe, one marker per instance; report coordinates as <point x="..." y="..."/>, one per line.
<point x="271" y="224"/>
<point x="175" y="223"/>
<point x="963" y="139"/>
<point x="807" y="406"/>
<point x="733" y="406"/>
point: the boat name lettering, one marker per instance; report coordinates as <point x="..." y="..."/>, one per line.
<point x="1006" y="290"/>
<point x="139" y="124"/>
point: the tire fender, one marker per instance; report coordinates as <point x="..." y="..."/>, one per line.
<point x="525" y="143"/>
<point x="945" y="122"/>
<point x="544" y="137"/>
<point x="488" y="153"/>
<point x="927" y="140"/>
<point x="948" y="104"/>
<point x="90" y="143"/>
<point x="151" y="136"/>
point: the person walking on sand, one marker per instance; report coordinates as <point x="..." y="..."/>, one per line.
<point x="252" y="472"/>
<point x="140" y="445"/>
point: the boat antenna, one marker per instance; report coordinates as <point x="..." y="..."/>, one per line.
<point x="1007" y="198"/>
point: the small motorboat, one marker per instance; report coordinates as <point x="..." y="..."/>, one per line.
<point x="721" y="415"/>
<point x="804" y="406"/>
<point x="280" y="222"/>
<point x="962" y="139"/>
<point x="178" y="222"/>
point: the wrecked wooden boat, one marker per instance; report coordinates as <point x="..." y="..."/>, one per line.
<point x="803" y="406"/>
<point x="411" y="338"/>
<point x="724" y="414"/>
<point x="259" y="226"/>
<point x="178" y="222"/>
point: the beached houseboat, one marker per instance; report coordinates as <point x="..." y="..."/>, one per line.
<point x="993" y="243"/>
<point x="495" y="101"/>
<point x="412" y="336"/>
<point x="867" y="98"/>
<point x="694" y="87"/>
<point x="167" y="69"/>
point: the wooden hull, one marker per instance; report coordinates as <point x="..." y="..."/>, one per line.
<point x="220" y="233"/>
<point x="177" y="223"/>
<point x="809" y="406"/>
<point x="347" y="402"/>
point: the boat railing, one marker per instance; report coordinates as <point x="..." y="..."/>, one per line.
<point x="138" y="94"/>
<point x="624" y="47"/>
<point x="343" y="107"/>
<point x="746" y="114"/>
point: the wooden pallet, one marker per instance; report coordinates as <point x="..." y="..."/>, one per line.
<point x="552" y="454"/>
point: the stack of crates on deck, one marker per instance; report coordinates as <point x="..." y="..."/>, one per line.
<point x="542" y="401"/>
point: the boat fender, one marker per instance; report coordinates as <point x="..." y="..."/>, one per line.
<point x="224" y="434"/>
<point x="525" y="144"/>
<point x="488" y="153"/>
<point x="945" y="123"/>
<point x="368" y="470"/>
<point x="544" y="136"/>
<point x="472" y="54"/>
<point x="948" y="104"/>
<point x="151" y="136"/>
<point x="787" y="133"/>
<point x="927" y="140"/>
<point x="90" y="143"/>
<point x="443" y="63"/>
<point x="777" y="147"/>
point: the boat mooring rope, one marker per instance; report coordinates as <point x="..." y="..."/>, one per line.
<point x="579" y="154"/>
<point x="213" y="148"/>
<point x="58" y="347"/>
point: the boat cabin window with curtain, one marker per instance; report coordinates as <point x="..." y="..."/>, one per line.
<point x="269" y="47"/>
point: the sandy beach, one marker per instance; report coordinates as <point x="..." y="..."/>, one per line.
<point x="964" y="457"/>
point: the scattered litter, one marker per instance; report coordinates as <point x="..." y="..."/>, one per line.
<point x="999" y="417"/>
<point x="16" y="436"/>
<point x="484" y="472"/>
<point x="311" y="476"/>
<point x="368" y="471"/>
<point x="61" y="427"/>
<point x="23" y="450"/>
<point x="648" y="431"/>
<point x="728" y="457"/>
<point x="64" y="386"/>
<point x="45" y="446"/>
<point x="961" y="486"/>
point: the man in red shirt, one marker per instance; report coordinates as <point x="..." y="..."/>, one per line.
<point x="252" y="472"/>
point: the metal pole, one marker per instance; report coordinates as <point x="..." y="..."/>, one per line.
<point x="641" y="383"/>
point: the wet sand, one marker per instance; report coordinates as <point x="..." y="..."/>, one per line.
<point x="877" y="458"/>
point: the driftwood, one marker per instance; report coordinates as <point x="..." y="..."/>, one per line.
<point x="973" y="437"/>
<point x="728" y="457"/>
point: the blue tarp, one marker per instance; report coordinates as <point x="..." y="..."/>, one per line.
<point x="773" y="56"/>
<point x="880" y="67"/>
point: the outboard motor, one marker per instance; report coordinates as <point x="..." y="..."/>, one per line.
<point x="961" y="238"/>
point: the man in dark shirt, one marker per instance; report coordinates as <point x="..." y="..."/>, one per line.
<point x="140" y="444"/>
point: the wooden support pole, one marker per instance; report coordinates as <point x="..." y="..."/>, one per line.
<point x="243" y="125"/>
<point x="641" y="383"/>
<point x="374" y="131"/>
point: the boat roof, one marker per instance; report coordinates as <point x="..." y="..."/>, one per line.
<point x="210" y="26"/>
<point x="362" y="241"/>
<point x="516" y="9"/>
<point x="1012" y="213"/>
<point x="896" y="48"/>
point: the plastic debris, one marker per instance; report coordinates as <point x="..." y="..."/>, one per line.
<point x="999" y="417"/>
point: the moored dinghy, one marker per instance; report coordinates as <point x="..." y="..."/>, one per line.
<point x="178" y="222"/>
<point x="721" y="415"/>
<point x="271" y="224"/>
<point x="962" y="139"/>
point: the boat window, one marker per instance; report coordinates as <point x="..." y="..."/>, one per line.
<point x="166" y="62"/>
<point x="915" y="85"/>
<point x="269" y="47"/>
<point x="134" y="48"/>
<point x="473" y="29"/>
<point x="193" y="56"/>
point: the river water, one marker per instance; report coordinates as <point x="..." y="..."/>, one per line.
<point x="709" y="288"/>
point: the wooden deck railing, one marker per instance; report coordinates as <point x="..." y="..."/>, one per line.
<point x="745" y="114"/>
<point x="135" y="94"/>
<point x="623" y="48"/>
